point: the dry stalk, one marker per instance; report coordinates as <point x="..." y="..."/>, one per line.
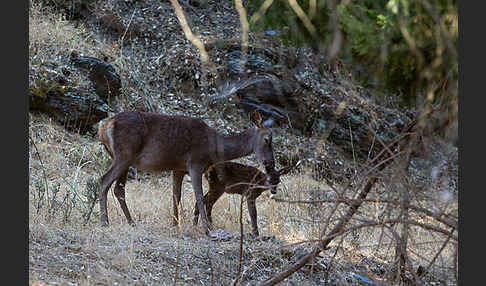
<point x="176" y="274"/>
<point x="440" y="251"/>
<point x="333" y="257"/>
<point x="125" y="32"/>
<point x="43" y="171"/>
<point x="210" y="267"/>
<point x="238" y="275"/>
<point x="402" y="249"/>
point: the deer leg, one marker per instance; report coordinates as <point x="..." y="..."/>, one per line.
<point x="177" y="178"/>
<point x="115" y="171"/>
<point x="120" y="195"/>
<point x="196" y="211"/>
<point x="196" y="178"/>
<point x="253" y="215"/>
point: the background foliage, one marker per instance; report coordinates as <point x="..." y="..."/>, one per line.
<point x="404" y="45"/>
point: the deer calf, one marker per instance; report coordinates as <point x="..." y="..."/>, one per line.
<point x="235" y="178"/>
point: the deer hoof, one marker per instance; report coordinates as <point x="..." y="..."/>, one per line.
<point x="219" y="235"/>
<point x="252" y="235"/>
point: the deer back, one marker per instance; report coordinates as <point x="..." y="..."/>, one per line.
<point x="156" y="142"/>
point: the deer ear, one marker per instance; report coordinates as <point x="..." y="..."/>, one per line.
<point x="257" y="119"/>
<point x="267" y="139"/>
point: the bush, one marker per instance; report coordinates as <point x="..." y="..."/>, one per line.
<point x="397" y="46"/>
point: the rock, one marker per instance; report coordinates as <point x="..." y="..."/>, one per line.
<point x="362" y="279"/>
<point x="53" y="93"/>
<point x="74" y="10"/>
<point x="267" y="93"/>
<point x="103" y="76"/>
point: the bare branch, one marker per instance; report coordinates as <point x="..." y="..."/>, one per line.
<point x="263" y="9"/>
<point x="440" y="251"/>
<point x="338" y="228"/>
<point x="303" y="17"/>
<point x="206" y="62"/>
<point x="324" y="242"/>
<point x="447" y="221"/>
<point x="401" y="247"/>
<point x="312" y="9"/>
<point x="244" y="32"/>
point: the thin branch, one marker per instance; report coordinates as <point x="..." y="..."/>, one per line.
<point x="263" y="9"/>
<point x="403" y="251"/>
<point x="312" y="9"/>
<point x="446" y="221"/>
<point x="302" y="16"/>
<point x="335" y="46"/>
<point x="440" y="251"/>
<point x="244" y="32"/>
<point x="206" y="62"/>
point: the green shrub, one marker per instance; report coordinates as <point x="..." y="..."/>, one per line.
<point x="402" y="46"/>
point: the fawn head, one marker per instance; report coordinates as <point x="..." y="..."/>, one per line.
<point x="273" y="178"/>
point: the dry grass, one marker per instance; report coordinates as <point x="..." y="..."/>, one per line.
<point x="64" y="251"/>
<point x="52" y="37"/>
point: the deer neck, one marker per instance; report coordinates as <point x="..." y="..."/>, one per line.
<point x="237" y="145"/>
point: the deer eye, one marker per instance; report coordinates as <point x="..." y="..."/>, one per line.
<point x="267" y="139"/>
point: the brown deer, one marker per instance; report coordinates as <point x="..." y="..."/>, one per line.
<point x="235" y="178"/>
<point x="157" y="142"/>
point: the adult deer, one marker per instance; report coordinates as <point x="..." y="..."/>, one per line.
<point x="235" y="178"/>
<point x="157" y="142"/>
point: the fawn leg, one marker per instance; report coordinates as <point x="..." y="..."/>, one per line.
<point x="253" y="215"/>
<point x="216" y="190"/>
<point x="210" y="201"/>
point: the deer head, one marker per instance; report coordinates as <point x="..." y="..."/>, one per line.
<point x="263" y="147"/>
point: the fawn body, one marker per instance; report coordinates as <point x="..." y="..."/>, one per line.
<point x="236" y="178"/>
